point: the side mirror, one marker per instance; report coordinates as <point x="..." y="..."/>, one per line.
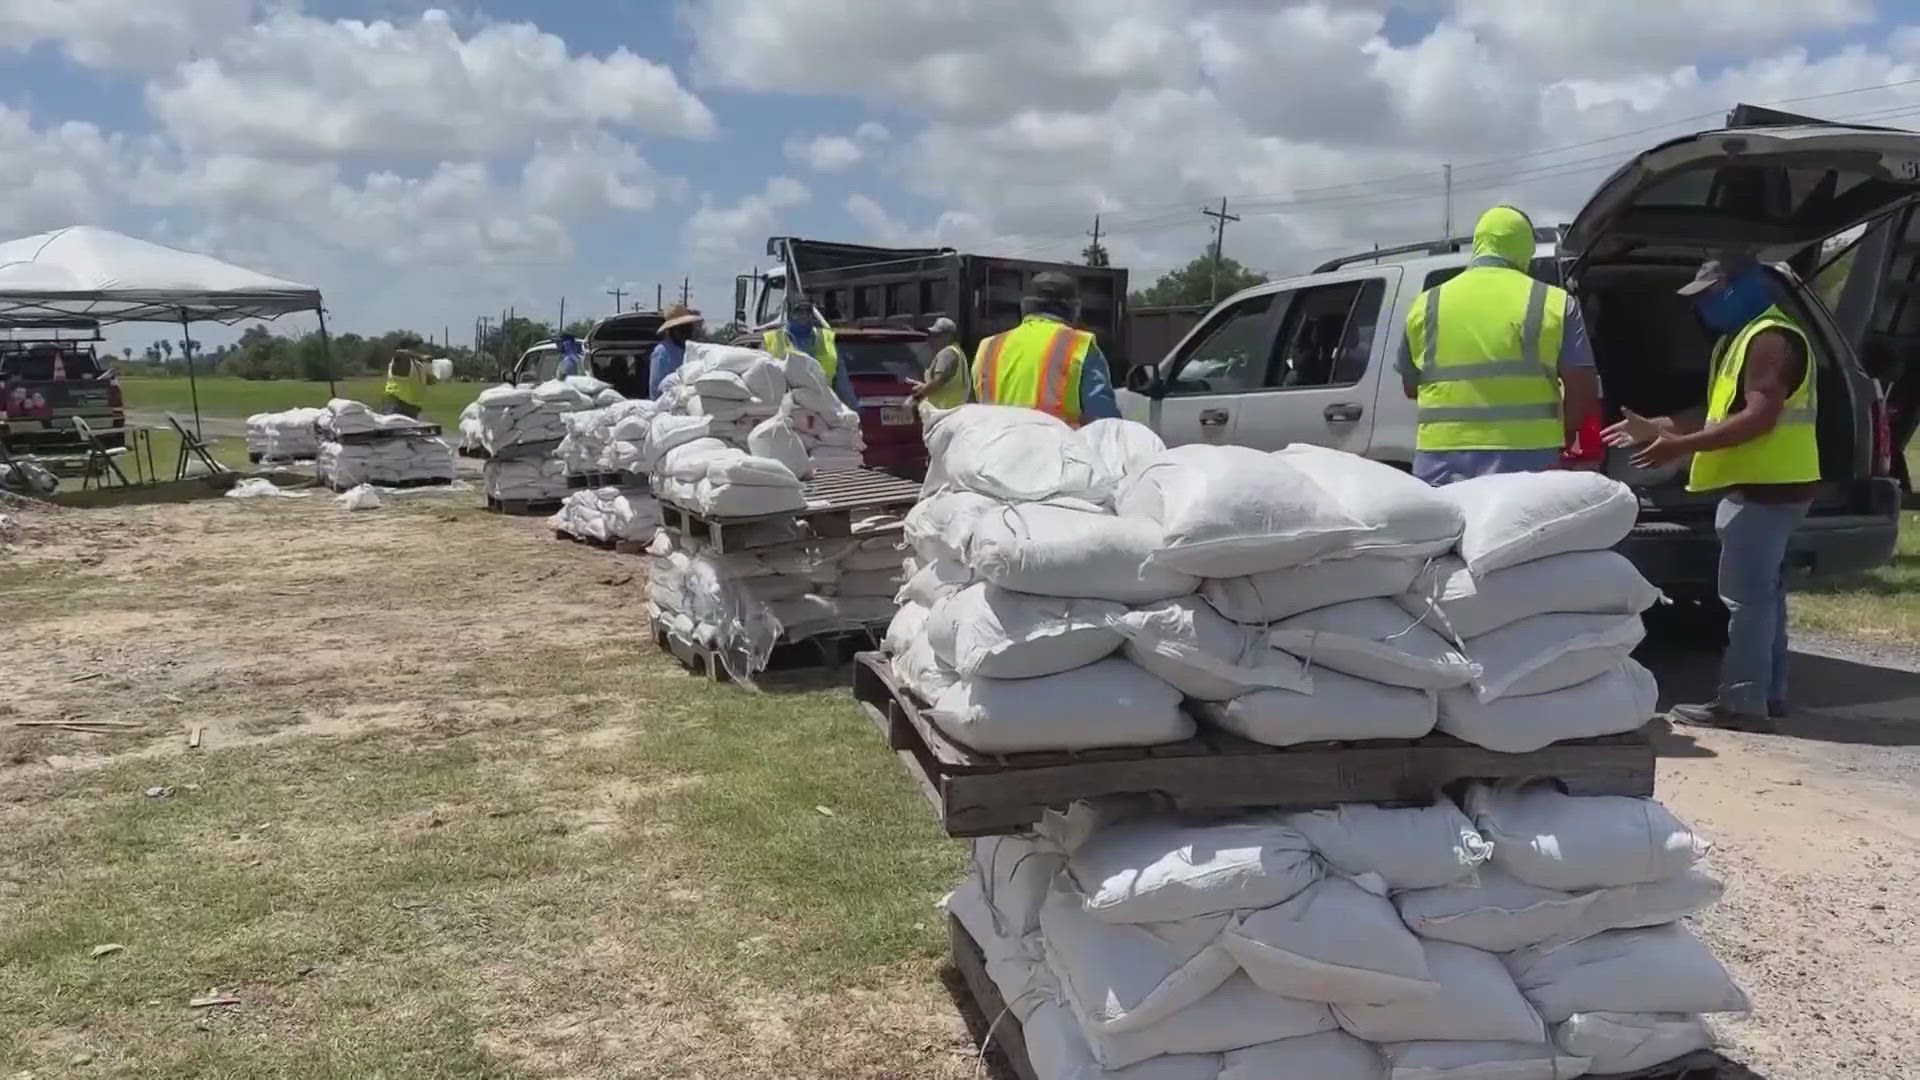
<point x="1144" y="380"/>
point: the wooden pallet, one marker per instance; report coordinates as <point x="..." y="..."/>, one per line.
<point x="332" y="486"/>
<point x="524" y="507"/>
<point x="818" y="653"/>
<point x="621" y="478"/>
<point x="622" y="547"/>
<point x="975" y="794"/>
<point x="523" y="450"/>
<point x="423" y="431"/>
<point x="836" y="501"/>
<point x="1010" y="1039"/>
<point x="256" y="458"/>
<point x="477" y="452"/>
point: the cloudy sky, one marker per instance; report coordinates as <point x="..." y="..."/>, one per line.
<point x="425" y="164"/>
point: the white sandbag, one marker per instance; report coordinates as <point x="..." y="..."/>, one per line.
<point x="751" y="471"/>
<point x="1558" y="841"/>
<point x="1446" y="1060"/>
<point x="497" y="397"/>
<point x="747" y="500"/>
<point x="1237" y="1015"/>
<point x="1108" y="703"/>
<point x="1056" y="551"/>
<point x="1414" y="847"/>
<point x="1127" y="976"/>
<point x="1408" y="517"/>
<point x="1334" y="942"/>
<point x="1203" y="655"/>
<point x="1159" y="869"/>
<point x="1649" y="903"/>
<point x="1477" y="1002"/>
<point x="1331" y="1055"/>
<point x="1512" y="518"/>
<point x="934" y="582"/>
<point x="1493" y="910"/>
<point x="776" y="440"/>
<point x="1019" y="455"/>
<point x="1617" y="701"/>
<point x="987" y="631"/>
<point x="1058" y="1050"/>
<point x="1657" y="969"/>
<point x="1015" y="873"/>
<point x="1279" y="594"/>
<point x="1544" y="653"/>
<point x="1619" y="1042"/>
<point x="690" y="460"/>
<point x="670" y="430"/>
<point x="941" y="526"/>
<point x="1578" y="582"/>
<point x="1229" y="511"/>
<point x="1341" y="707"/>
<point x="1014" y="964"/>
<point x="909" y="625"/>
<point x="1374" y="640"/>
<point x="1121" y="446"/>
<point x="920" y="671"/>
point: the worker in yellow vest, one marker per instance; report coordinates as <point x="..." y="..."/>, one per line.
<point x="805" y="332"/>
<point x="409" y="373"/>
<point x="1498" y="361"/>
<point x="1046" y="363"/>
<point x="1758" y="445"/>
<point x="947" y="383"/>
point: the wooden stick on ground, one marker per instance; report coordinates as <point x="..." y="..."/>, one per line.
<point x="193" y="737"/>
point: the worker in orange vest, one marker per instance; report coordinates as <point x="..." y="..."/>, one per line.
<point x="1046" y="362"/>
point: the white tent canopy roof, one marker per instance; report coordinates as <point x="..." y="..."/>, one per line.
<point x="89" y="273"/>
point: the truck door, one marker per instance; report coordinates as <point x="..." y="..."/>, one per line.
<point x="1326" y="363"/>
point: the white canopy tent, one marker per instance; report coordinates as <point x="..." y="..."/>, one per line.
<point x="97" y="275"/>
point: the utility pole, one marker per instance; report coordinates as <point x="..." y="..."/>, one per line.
<point x="562" y="328"/>
<point x="616" y="294"/>
<point x="685" y="285"/>
<point x="1094" y="251"/>
<point x="1446" y="221"/>
<point x="1221" y="217"/>
<point x="656" y="297"/>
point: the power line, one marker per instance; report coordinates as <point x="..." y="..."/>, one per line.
<point x="1220" y="218"/>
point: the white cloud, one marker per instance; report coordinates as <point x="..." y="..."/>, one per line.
<point x="826" y="153"/>
<point x="141" y="34"/>
<point x="879" y="226"/>
<point x="1589" y="38"/>
<point x="723" y="236"/>
<point x="295" y="86"/>
<point x="592" y="172"/>
<point x="57" y="176"/>
<point x="872" y="131"/>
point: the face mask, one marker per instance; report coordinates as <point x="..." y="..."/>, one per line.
<point x="1736" y="302"/>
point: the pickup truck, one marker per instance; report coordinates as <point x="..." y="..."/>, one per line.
<point x="1312" y="358"/>
<point x="44" y="384"/>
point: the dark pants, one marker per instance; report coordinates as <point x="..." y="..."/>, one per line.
<point x="396" y="407"/>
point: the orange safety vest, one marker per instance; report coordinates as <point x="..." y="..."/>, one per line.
<point x="1035" y="365"/>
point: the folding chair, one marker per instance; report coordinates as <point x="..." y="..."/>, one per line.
<point x="100" y="461"/>
<point x="190" y="448"/>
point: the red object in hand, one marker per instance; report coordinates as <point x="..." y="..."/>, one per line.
<point x="1584" y="450"/>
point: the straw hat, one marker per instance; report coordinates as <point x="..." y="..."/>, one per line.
<point x="681" y="315"/>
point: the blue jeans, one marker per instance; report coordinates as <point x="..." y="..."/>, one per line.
<point x="1753" y="546"/>
<point x="1443" y="467"/>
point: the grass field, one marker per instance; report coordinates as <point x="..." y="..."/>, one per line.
<point x="1881" y="607"/>
<point x="220" y="396"/>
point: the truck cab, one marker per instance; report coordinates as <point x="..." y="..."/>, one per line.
<point x="1313" y="358"/>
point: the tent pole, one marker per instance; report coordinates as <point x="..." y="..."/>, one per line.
<point x="326" y="351"/>
<point x="193" y="382"/>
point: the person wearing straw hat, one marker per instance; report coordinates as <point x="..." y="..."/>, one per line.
<point x="946" y="383"/>
<point x="681" y="324"/>
<point x="409" y="373"/>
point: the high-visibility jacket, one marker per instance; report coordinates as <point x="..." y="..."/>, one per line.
<point x="952" y="393"/>
<point x="1790" y="453"/>
<point x="1487" y="348"/>
<point x="410" y="387"/>
<point x="776" y="342"/>
<point x="1035" y="365"/>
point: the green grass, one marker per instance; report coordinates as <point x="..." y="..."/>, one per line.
<point x="1879" y="607"/>
<point x="222" y="396"/>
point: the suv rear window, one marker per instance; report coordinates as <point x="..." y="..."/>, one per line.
<point x="899" y="359"/>
<point x="1545" y="268"/>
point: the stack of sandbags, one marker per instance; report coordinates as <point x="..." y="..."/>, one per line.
<point x="608" y="514"/>
<point x="1020" y="575"/>
<point x="284" y="436"/>
<point x="535" y="478"/>
<point x="346" y="418"/>
<point x="590" y="437"/>
<point x="1547" y="613"/>
<point x="469" y="438"/>
<point x="1355" y="943"/>
<point x="517" y="416"/>
<point x="399" y="462"/>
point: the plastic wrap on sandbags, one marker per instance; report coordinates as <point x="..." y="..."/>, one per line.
<point x="1331" y="1055"/>
<point x="934" y="582"/>
<point x="1057" y="551"/>
<point x="1058" y="1051"/>
<point x="1577" y="842"/>
<point x="1126" y="976"/>
<point x="986" y="631"/>
<point x="1121" y="446"/>
<point x="1236" y="1015"/>
<point x="1544" y="653"/>
<point x="1620" y="1042"/>
<point x="1108" y="703"/>
<point x="1494" y="911"/>
<point x="1230" y="511"/>
<point x="920" y="671"/>
<point x="776" y="440"/>
<point x="1335" y="942"/>
<point x="1341" y="707"/>
<point x="1578" y="582"/>
<point x="535" y="479"/>
<point x="1618" y="701"/>
<point x="1477" y="1002"/>
<point x="1157" y="869"/>
<point x="1377" y="641"/>
<point x="1408" y="517"/>
<point x="909" y="625"/>
<point x="1512" y="518"/>
<point x="1412" y="847"/>
<point x="403" y="462"/>
<point x="1448" y="1060"/>
<point x="1657" y="969"/>
<point x="1203" y="655"/>
<point x="941" y="526"/>
<point x="284" y="436"/>
<point x="1017" y="455"/>
<point x="1280" y="594"/>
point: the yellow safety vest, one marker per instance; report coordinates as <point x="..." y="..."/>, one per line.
<point x="1486" y="346"/>
<point x="953" y="393"/>
<point x="1790" y="453"/>
<point x="411" y="387"/>
<point x="1035" y="365"/>
<point x="776" y="342"/>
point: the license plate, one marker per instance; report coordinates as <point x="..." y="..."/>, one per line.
<point x="897" y="415"/>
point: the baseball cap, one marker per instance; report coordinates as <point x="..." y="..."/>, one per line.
<point x="1715" y="271"/>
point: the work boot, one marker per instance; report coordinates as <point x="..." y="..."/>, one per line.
<point x="1714" y="714"/>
